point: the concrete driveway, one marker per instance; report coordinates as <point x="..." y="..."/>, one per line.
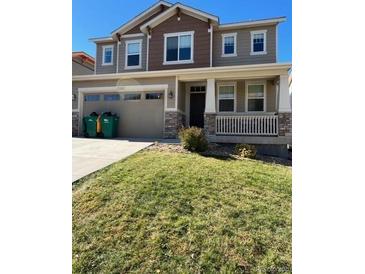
<point x="89" y="155"/>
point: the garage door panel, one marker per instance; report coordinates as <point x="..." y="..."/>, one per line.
<point x="138" y="118"/>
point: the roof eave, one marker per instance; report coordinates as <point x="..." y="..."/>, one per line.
<point x="252" y="23"/>
<point x="167" y="14"/>
<point x="125" y="27"/>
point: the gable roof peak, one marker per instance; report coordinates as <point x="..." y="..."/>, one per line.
<point x="180" y="8"/>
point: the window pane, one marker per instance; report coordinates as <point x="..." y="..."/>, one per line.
<point x="229" y="45"/>
<point x="226" y="105"/>
<point x="153" y="96"/>
<point x="255" y="104"/>
<point x="226" y="92"/>
<point x="256" y="91"/>
<point x="111" y="97"/>
<point x="133" y="60"/>
<point x="133" y="48"/>
<point x="172" y="44"/>
<point x="107" y="55"/>
<point x="91" y="98"/>
<point x="132" y="96"/>
<point x="185" y="47"/>
<point x="258" y="42"/>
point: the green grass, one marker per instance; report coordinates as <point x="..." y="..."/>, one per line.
<point x="162" y="212"/>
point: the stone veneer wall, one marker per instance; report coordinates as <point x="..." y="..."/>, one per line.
<point x="75" y="123"/>
<point x="285" y="124"/>
<point x="209" y="123"/>
<point x="173" y="122"/>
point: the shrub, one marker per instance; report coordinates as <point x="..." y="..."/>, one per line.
<point x="246" y="151"/>
<point x="193" y="139"/>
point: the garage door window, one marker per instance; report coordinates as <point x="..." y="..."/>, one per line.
<point x="132" y="96"/>
<point x="153" y="96"/>
<point x="111" y="97"/>
<point x="92" y="98"/>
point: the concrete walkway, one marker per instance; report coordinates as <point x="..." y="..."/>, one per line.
<point x="90" y="155"/>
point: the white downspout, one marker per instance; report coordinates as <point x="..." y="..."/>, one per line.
<point x="211" y="44"/>
<point x="117" y="70"/>
<point x="147" y="50"/>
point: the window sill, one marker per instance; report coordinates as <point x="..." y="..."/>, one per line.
<point x="178" y="62"/>
<point x="132" y="67"/>
<point x="258" y="53"/>
<point x="229" y="55"/>
<point x="107" y="64"/>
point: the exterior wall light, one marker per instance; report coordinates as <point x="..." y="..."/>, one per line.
<point x="171" y="94"/>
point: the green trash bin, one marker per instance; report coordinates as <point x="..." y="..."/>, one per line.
<point x="109" y="125"/>
<point x="89" y="123"/>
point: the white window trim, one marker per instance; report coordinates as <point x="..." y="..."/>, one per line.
<point x="234" y="84"/>
<point x="104" y="48"/>
<point x="166" y="35"/>
<point x="224" y="35"/>
<point x="253" y="83"/>
<point x="126" y="54"/>
<point x="252" y="35"/>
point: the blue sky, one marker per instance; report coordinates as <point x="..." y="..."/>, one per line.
<point x="95" y="18"/>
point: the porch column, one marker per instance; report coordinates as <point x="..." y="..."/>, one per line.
<point x="284" y="109"/>
<point x="210" y="112"/>
<point x="284" y="99"/>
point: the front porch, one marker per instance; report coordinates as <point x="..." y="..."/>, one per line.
<point x="240" y="110"/>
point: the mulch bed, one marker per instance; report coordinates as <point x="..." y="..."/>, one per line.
<point x="217" y="150"/>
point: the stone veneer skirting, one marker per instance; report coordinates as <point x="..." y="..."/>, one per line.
<point x="285" y="124"/>
<point x="174" y="121"/>
<point x="75" y="123"/>
<point x="209" y="123"/>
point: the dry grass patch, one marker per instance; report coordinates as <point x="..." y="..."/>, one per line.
<point x="174" y="212"/>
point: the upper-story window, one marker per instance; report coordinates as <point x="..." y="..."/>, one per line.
<point x="255" y="96"/>
<point x="229" y="44"/>
<point x="133" y="54"/>
<point x="179" y="48"/>
<point x="258" y="42"/>
<point x="108" y="55"/>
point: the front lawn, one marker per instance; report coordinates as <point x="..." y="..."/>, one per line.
<point x="165" y="212"/>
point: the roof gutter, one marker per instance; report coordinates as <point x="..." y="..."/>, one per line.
<point x="180" y="72"/>
<point x="252" y="23"/>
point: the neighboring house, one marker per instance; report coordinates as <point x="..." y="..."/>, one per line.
<point x="82" y="63"/>
<point x="173" y="66"/>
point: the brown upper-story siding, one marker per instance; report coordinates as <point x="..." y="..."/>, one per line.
<point x="172" y="25"/>
<point x="136" y="28"/>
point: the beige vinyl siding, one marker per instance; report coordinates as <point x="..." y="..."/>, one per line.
<point x="170" y="81"/>
<point x="181" y="97"/>
<point x="122" y="50"/>
<point x="241" y="95"/>
<point x="100" y="69"/>
<point x="244" y="47"/>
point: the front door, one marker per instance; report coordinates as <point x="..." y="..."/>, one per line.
<point x="197" y="107"/>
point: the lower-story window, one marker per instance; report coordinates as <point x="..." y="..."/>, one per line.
<point x="132" y="96"/>
<point x="153" y="96"/>
<point x="92" y="98"/>
<point x="255" y="97"/>
<point x="226" y="98"/>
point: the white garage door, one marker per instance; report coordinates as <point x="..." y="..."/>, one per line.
<point x="140" y="114"/>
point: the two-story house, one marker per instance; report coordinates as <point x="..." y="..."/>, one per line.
<point x="174" y="66"/>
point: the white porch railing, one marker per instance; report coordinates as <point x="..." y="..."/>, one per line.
<point x="264" y="125"/>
